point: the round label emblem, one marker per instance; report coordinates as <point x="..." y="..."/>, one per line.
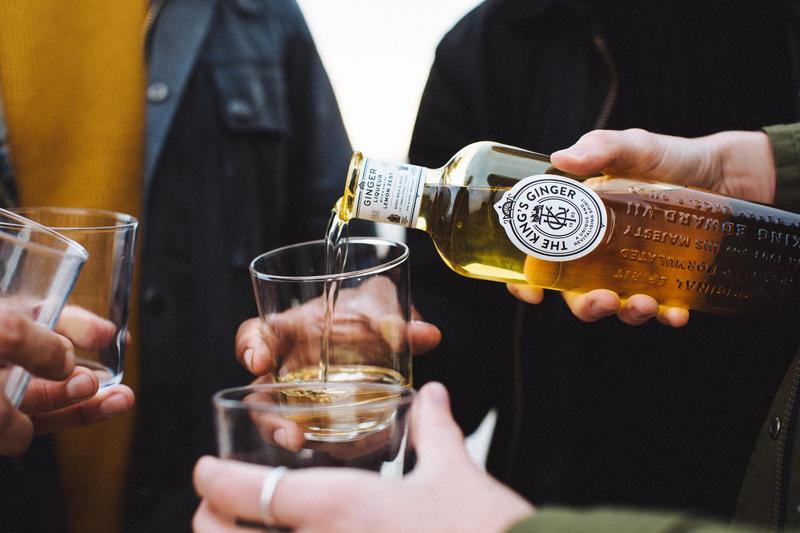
<point x="552" y="217"/>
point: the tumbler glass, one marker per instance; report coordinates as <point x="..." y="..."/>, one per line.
<point x="358" y="333"/>
<point x="104" y="286"/>
<point x="299" y="425"/>
<point x="38" y="269"/>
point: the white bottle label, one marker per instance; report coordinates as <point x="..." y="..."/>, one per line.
<point x="552" y="217"/>
<point x="389" y="192"/>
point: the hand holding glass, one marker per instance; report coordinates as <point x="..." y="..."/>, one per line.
<point x="103" y="289"/>
<point x="362" y="337"/>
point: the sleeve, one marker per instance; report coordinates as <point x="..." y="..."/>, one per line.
<point x="605" y="520"/>
<point x="474" y="358"/>
<point x="785" y="140"/>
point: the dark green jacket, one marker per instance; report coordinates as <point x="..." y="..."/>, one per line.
<point x="770" y="496"/>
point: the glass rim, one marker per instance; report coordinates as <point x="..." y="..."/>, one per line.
<point x="123" y="220"/>
<point x="219" y="400"/>
<point x="72" y="249"/>
<point x="376" y="269"/>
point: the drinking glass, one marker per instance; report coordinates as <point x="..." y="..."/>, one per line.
<point x="38" y="268"/>
<point x="359" y="333"/>
<point x="104" y="286"/>
<point x="300" y="425"/>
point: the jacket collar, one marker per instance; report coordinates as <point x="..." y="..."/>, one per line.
<point x="174" y="42"/>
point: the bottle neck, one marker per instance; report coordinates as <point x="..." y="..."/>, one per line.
<point x="384" y="191"/>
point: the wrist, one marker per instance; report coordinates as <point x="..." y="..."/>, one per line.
<point x="747" y="165"/>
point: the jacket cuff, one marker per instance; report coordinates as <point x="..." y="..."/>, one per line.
<point x="785" y="141"/>
<point x="614" y="520"/>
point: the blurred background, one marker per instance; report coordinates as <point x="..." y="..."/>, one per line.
<point x="378" y="54"/>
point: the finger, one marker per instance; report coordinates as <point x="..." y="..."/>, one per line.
<point x="251" y="349"/>
<point x="276" y="430"/>
<point x="301" y="496"/>
<point x="593" y="305"/>
<point x="638" y="309"/>
<point x="108" y="403"/>
<point x="423" y="336"/>
<point x="436" y="437"/>
<point x="33" y="346"/>
<point x="526" y="293"/>
<point x="618" y="152"/>
<point x="85" y="329"/>
<point x="230" y="485"/>
<point x="44" y="395"/>
<point x="16" y="429"/>
<point x="394" y="331"/>
<point x="675" y="317"/>
<point x="326" y="499"/>
<point x="207" y="519"/>
<point x="636" y="152"/>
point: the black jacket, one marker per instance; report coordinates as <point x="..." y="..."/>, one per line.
<point x="245" y="151"/>
<point x="605" y="413"/>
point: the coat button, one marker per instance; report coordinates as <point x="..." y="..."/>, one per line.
<point x="153" y="300"/>
<point x="157" y="92"/>
<point x="775" y="428"/>
<point x="239" y="111"/>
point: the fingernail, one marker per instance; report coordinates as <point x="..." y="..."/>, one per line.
<point x="114" y="404"/>
<point x="80" y="386"/>
<point x="436" y="393"/>
<point x="248" y="358"/>
<point x="281" y="438"/>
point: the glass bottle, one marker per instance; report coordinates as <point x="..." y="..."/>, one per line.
<point x="501" y="213"/>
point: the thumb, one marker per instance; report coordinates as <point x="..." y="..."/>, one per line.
<point x="632" y="152"/>
<point x="436" y="437"/>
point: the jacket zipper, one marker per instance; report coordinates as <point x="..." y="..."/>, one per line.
<point x="781" y="464"/>
<point x="152" y="14"/>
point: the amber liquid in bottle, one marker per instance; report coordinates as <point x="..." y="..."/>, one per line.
<point x="683" y="246"/>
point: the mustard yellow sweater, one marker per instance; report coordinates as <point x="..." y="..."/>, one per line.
<point x="72" y="78"/>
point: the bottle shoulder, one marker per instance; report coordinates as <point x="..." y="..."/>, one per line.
<point x="491" y="164"/>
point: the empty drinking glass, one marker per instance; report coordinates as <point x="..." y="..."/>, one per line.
<point x="104" y="286"/>
<point x="38" y="269"/>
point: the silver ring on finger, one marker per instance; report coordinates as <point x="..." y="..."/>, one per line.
<point x="267" y="490"/>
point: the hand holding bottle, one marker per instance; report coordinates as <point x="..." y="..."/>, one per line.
<point x="734" y="163"/>
<point x="738" y="164"/>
